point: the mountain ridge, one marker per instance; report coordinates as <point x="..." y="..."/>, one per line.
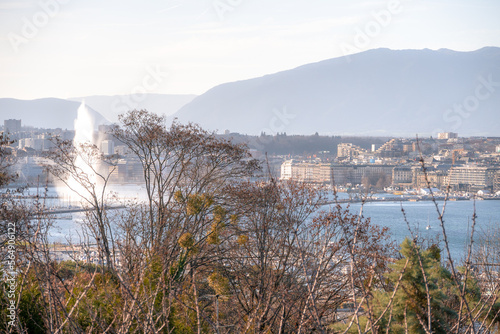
<point x="110" y="106"/>
<point x="51" y="112"/>
<point x="394" y="92"/>
<point x="47" y="113"/>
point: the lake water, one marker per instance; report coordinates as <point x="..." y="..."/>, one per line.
<point x="457" y="218"/>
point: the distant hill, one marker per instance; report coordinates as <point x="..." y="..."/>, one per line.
<point x="377" y="92"/>
<point x="111" y="106"/>
<point x="45" y="113"/>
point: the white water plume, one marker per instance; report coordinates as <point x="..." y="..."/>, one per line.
<point x="84" y="135"/>
<point x="84" y="126"/>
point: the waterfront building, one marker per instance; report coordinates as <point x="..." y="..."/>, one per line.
<point x="108" y="147"/>
<point x="435" y="178"/>
<point x="472" y="177"/>
<point x="496" y="182"/>
<point x="342" y="173"/>
<point x="306" y="171"/>
<point x="402" y="176"/>
<point x="349" y="150"/>
<point x="12" y="125"/>
<point x="354" y="174"/>
<point x="447" y="135"/>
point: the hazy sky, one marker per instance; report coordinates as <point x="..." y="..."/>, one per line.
<point x="69" y="48"/>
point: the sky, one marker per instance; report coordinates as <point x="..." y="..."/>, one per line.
<point x="73" y="48"/>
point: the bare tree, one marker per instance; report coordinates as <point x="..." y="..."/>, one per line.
<point x="181" y="158"/>
<point x="86" y="172"/>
